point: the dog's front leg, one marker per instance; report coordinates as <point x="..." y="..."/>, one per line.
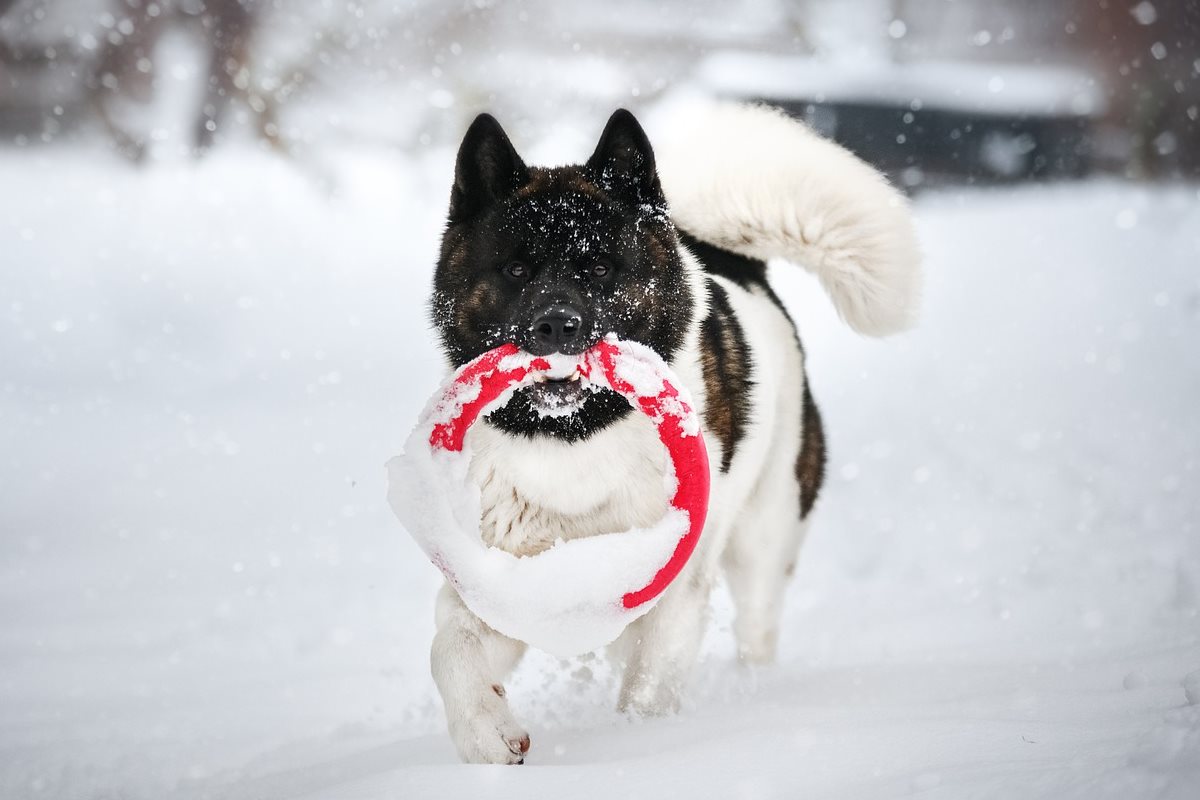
<point x="663" y="645"/>
<point x="469" y="661"/>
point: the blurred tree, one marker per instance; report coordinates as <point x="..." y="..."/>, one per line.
<point x="110" y="52"/>
<point x="1149" y="55"/>
<point x="127" y="61"/>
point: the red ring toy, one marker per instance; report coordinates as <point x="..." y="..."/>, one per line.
<point x="434" y="455"/>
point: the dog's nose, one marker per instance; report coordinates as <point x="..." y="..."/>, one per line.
<point x="556" y="329"/>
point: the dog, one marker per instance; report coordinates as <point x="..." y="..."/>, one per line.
<point x="670" y="252"/>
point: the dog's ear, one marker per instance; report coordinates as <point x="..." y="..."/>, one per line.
<point x="488" y="168"/>
<point x="623" y="163"/>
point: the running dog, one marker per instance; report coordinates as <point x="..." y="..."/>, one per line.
<point x="670" y="252"/>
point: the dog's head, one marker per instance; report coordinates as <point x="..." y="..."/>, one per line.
<point x="552" y="260"/>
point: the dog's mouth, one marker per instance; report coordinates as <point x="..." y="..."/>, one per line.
<point x="557" y="396"/>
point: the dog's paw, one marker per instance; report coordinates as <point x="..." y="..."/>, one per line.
<point x="757" y="646"/>
<point x="490" y="735"/>
<point x="649" y="699"/>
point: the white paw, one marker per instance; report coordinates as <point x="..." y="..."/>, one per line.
<point x="758" y="645"/>
<point x="649" y="699"/>
<point x="489" y="735"/>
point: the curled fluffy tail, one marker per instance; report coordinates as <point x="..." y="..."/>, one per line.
<point x="752" y="180"/>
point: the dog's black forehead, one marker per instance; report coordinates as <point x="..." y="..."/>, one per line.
<point x="563" y="215"/>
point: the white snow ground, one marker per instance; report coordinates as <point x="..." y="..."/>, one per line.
<point x="204" y="594"/>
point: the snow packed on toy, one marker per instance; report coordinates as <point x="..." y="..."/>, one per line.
<point x="580" y="594"/>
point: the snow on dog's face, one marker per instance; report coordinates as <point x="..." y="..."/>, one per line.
<point x="552" y="259"/>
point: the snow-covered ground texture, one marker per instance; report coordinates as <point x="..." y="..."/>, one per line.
<point x="203" y="592"/>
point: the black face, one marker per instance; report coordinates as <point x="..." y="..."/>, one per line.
<point x="552" y="260"/>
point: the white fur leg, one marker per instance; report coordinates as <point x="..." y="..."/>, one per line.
<point x="754" y="181"/>
<point x="761" y="551"/>
<point x="759" y="562"/>
<point x="761" y="554"/>
<point x="663" y="645"/>
<point x="469" y="660"/>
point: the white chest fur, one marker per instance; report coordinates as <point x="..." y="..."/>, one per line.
<point x="535" y="491"/>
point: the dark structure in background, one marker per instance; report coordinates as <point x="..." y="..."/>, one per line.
<point x="959" y="90"/>
<point x="932" y="121"/>
<point x="917" y="146"/>
<point x="1000" y="91"/>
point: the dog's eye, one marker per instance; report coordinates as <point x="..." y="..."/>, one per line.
<point x="515" y="269"/>
<point x="600" y="269"/>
